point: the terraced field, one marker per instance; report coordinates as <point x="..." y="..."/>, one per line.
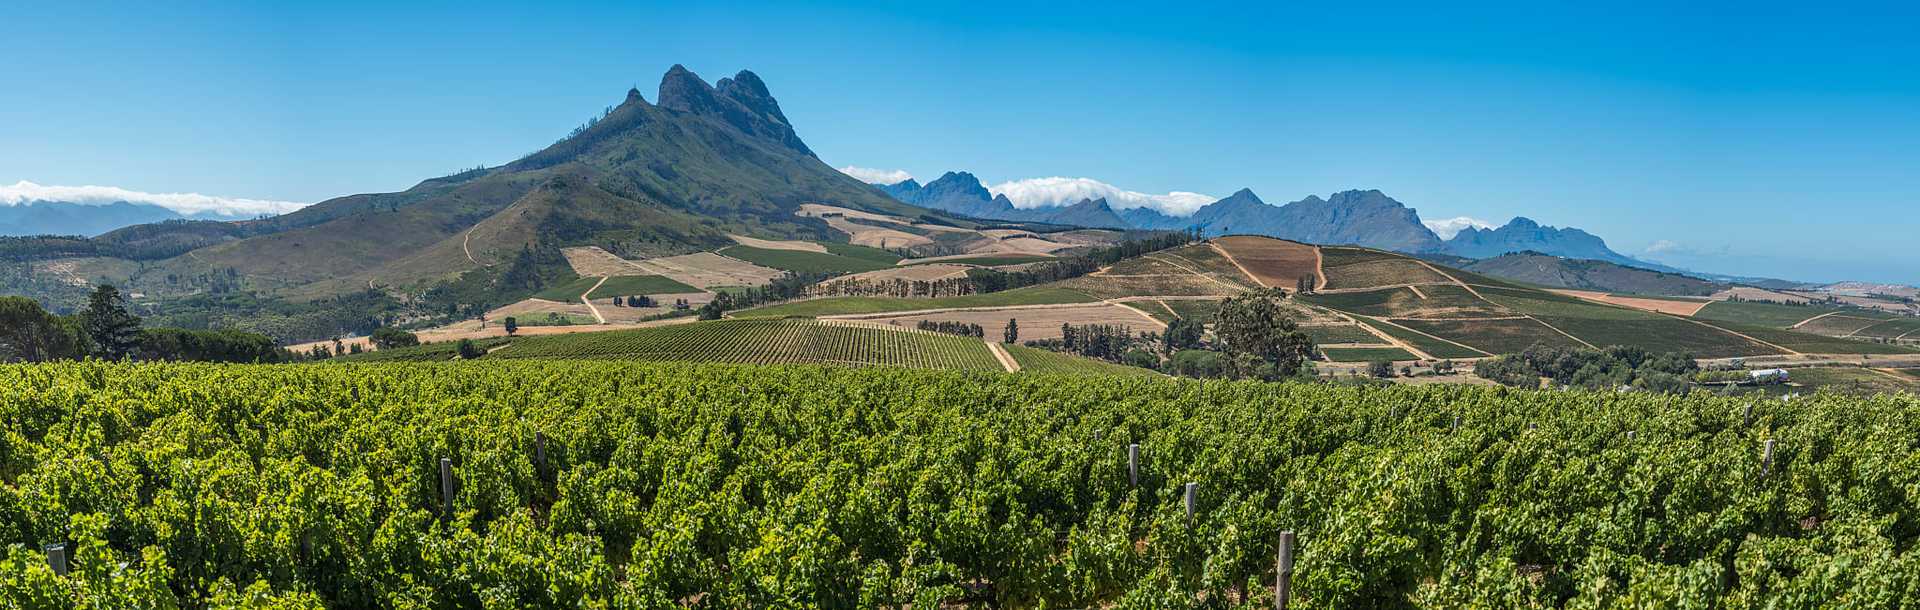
<point x="1432" y="346"/>
<point x="764" y="342"/>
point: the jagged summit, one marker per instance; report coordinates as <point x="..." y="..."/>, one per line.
<point x="742" y="102"/>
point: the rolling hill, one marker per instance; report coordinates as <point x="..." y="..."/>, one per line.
<point x="1557" y="272"/>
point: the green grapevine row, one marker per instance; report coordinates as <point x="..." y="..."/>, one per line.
<point x="723" y="486"/>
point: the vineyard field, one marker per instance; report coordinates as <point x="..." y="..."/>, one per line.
<point x="764" y="342"/>
<point x="658" y="485"/>
<point x="1043" y="361"/>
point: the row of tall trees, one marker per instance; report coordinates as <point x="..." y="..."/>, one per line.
<point x="953" y="328"/>
<point x="896" y="287"/>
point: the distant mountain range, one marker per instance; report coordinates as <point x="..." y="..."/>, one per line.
<point x="86" y="219"/>
<point x="1359" y="217"/>
<point x="961" y="193"/>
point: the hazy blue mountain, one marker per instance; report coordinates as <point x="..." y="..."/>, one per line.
<point x="63" y="218"/>
<point x="1365" y="218"/>
<point x="1524" y="235"/>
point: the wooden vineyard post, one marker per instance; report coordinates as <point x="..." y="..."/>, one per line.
<point x="1749" y="416"/>
<point x="540" y="454"/>
<point x="1133" y="464"/>
<point x="1630" y="435"/>
<point x="1456" y="423"/>
<point x="446" y="486"/>
<point x="1283" y="572"/>
<point x="1766" y="458"/>
<point x="57" y="558"/>
<point x="1193" y="495"/>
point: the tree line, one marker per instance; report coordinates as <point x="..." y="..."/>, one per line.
<point x="107" y="330"/>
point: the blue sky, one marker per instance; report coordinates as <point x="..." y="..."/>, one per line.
<point x="1745" y="138"/>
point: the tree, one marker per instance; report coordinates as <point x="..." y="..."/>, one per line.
<point x="113" y="331"/>
<point x="1255" y="331"/>
<point x="618" y="301"/>
<point x="1182" y="334"/>
<point x="28" y="333"/>
<point x="1013" y="331"/>
<point x="389" y="338"/>
<point x="513" y="326"/>
<point x="1382" y="369"/>
<point x="468" y="350"/>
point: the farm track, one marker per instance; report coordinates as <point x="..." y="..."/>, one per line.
<point x="589" y="302"/>
<point x="1808" y="320"/>
<point x="1243" y="269"/>
<point x="1006" y="359"/>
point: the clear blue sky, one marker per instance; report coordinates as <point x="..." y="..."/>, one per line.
<point x="1770" y="140"/>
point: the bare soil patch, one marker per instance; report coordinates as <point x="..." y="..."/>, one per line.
<point x="1671" y="307"/>
<point x="1758" y="294"/>
<point x="706" y="270"/>
<point x="1273" y="262"/>
<point x="778" y="244"/>
<point x="592" y="261"/>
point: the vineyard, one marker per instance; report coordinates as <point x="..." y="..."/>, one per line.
<point x="765" y="342"/>
<point x="619" y="485"/>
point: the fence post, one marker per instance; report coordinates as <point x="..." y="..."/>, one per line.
<point x="1133" y="464"/>
<point x="1283" y="572"/>
<point x="540" y="453"/>
<point x="446" y="486"/>
<point x="57" y="558"/>
<point x="1766" y="458"/>
<point x="1193" y="494"/>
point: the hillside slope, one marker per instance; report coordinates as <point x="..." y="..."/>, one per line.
<point x="1554" y="271"/>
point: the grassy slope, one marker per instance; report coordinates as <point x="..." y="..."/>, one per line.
<point x="568" y="291"/>
<point x="1772" y="315"/>
<point x="1032" y="295"/>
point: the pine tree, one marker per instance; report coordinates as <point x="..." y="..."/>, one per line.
<point x="113" y="330"/>
<point x="1013" y="331"/>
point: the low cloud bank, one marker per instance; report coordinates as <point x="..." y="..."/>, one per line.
<point x="189" y="204"/>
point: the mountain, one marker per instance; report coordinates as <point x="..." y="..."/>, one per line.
<point x="642" y="179"/>
<point x="66" y="218"/>
<point x="1524" y="235"/>
<point x="1585" y="274"/>
<point x="962" y="193"/>
<point x="1366" y="218"/>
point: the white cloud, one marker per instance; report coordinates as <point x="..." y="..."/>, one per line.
<point x="1059" y="191"/>
<point x="1446" y="228"/>
<point x="877" y="176"/>
<point x="184" y="203"/>
<point x="1663" y="246"/>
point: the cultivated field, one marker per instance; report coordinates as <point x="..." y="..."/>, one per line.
<point x="1749" y="293"/>
<point x="1035" y="322"/>
<point x="831" y="306"/>
<point x="1041" y="361"/>
<point x="1273" y="262"/>
<point x="1677" y="307"/>
<point x="1366" y="354"/>
<point x="1378" y="273"/>
<point x="766" y="342"/>
<point x="803" y="261"/>
<point x="773" y="244"/>
<point x="644" y="285"/>
<point x="706" y="270"/>
<point x="548" y="484"/>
